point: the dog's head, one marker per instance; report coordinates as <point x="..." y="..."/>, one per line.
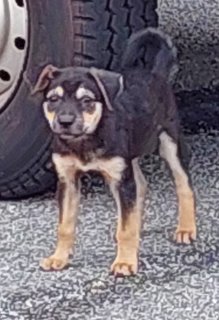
<point x="75" y="98"/>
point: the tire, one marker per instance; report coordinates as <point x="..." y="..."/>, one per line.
<point x="101" y="28"/>
<point x="79" y="32"/>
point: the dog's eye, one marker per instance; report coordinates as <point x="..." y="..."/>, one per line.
<point x="54" y="98"/>
<point x="86" y="100"/>
<point x="90" y="108"/>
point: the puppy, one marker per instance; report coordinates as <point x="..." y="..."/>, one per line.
<point x="104" y="121"/>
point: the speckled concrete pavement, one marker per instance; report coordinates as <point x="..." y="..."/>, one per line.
<point x="193" y="25"/>
<point x="175" y="282"/>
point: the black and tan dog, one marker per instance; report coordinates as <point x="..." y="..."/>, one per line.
<point x="105" y="121"/>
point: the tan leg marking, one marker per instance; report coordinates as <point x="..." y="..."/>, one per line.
<point x="186" y="230"/>
<point x="126" y="262"/>
<point x="68" y="213"/>
<point x="128" y="231"/>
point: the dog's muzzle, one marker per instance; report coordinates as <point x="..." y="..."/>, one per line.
<point x="67" y="126"/>
<point x="66" y="120"/>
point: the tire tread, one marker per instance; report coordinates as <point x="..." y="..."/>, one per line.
<point x="93" y="45"/>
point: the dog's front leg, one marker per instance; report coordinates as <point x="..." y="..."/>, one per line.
<point x="129" y="194"/>
<point x="68" y="197"/>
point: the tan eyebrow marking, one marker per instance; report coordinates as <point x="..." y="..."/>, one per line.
<point x="59" y="91"/>
<point x="83" y="92"/>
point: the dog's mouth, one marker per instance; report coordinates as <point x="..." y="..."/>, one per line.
<point x="69" y="133"/>
<point x="71" y="136"/>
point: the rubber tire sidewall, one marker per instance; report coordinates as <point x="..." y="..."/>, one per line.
<point x="24" y="131"/>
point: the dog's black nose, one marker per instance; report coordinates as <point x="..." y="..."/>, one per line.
<point x="66" y="119"/>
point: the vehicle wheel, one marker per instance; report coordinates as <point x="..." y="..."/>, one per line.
<point x="36" y="33"/>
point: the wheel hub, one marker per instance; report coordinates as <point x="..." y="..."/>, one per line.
<point x="13" y="45"/>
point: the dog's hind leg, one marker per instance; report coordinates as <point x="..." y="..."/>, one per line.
<point x="169" y="150"/>
<point x="129" y="194"/>
<point x="68" y="197"/>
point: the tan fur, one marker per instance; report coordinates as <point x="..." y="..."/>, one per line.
<point x="83" y="92"/>
<point x="91" y="120"/>
<point x="50" y="116"/>
<point x="112" y="167"/>
<point x="126" y="262"/>
<point x="128" y="230"/>
<point x="66" y="167"/>
<point x="59" y="91"/>
<point x="66" y="228"/>
<point x="186" y="229"/>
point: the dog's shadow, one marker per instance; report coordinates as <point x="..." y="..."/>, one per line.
<point x="177" y="261"/>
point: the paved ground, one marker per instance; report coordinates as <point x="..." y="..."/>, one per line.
<point x="193" y="26"/>
<point x="174" y="282"/>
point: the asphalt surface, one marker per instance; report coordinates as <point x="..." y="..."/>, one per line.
<point x="193" y="27"/>
<point x="174" y="282"/>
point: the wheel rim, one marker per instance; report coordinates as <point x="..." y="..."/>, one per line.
<point x="13" y="45"/>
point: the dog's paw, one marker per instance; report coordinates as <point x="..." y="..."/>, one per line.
<point x="122" y="268"/>
<point x="185" y="235"/>
<point x="54" y="263"/>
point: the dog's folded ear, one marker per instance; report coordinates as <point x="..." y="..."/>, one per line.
<point x="44" y="78"/>
<point x="109" y="83"/>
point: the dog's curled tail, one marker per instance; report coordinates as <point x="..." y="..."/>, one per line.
<point x="158" y="50"/>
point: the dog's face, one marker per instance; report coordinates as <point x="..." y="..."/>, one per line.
<point x="73" y="108"/>
<point x="75" y="98"/>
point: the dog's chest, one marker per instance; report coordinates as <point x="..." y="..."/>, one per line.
<point x="66" y="166"/>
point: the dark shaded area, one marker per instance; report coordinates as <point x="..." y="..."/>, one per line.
<point x="199" y="110"/>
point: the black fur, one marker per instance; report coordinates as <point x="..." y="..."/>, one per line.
<point x="98" y="115"/>
<point x="156" y="49"/>
<point x="127" y="192"/>
<point x="60" y="194"/>
<point x="143" y="105"/>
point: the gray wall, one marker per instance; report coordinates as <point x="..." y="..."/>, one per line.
<point x="194" y="27"/>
